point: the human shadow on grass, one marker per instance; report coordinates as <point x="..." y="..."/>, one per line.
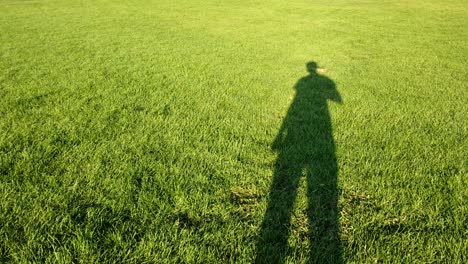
<point x="306" y="149"/>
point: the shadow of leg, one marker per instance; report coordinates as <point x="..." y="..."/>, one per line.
<point x="323" y="211"/>
<point x="272" y="246"/>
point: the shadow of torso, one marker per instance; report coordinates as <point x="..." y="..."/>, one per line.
<point x="307" y="124"/>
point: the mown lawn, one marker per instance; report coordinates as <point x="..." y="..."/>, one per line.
<point x="162" y="131"/>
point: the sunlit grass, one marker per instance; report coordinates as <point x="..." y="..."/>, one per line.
<point x="142" y="131"/>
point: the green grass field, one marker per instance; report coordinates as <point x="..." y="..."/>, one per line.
<point x="207" y="131"/>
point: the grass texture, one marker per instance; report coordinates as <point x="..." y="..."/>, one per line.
<point x="206" y="131"/>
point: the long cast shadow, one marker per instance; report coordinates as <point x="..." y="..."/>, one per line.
<point x="306" y="148"/>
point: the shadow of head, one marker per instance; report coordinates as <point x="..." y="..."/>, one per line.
<point x="317" y="85"/>
<point x="311" y="67"/>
